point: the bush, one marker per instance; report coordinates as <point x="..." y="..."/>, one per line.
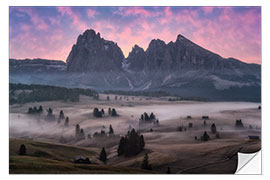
<point x="22" y="150"/>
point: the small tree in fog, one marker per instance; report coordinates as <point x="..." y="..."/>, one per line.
<point x="103" y="155"/>
<point x="66" y="121"/>
<point x="40" y="109"/>
<point x="205" y="136"/>
<point x="141" y="142"/>
<point x="109" y="111"/>
<point x="22" y="150"/>
<point x="213" y="128"/>
<point x="114" y="113"/>
<point x="111" y="131"/>
<point x="61" y="115"/>
<point x="145" y="163"/>
<point x="81" y="134"/>
<point x="50" y="112"/>
<point x="102" y="112"/>
<point x="77" y="129"/>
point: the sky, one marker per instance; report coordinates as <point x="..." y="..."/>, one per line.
<point x="50" y="32"/>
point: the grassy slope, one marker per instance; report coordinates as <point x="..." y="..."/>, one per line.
<point x="46" y="158"/>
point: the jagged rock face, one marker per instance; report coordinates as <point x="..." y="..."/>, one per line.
<point x="92" y="53"/>
<point x="183" y="55"/>
<point x="136" y="59"/>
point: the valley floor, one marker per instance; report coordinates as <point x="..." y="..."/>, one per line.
<point x="165" y="145"/>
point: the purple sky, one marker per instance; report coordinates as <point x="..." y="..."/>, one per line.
<point x="50" y="32"/>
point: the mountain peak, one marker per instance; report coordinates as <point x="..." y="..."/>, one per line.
<point x="180" y="37"/>
<point x="91" y="53"/>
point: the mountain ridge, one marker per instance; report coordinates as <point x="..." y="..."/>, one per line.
<point x="180" y="67"/>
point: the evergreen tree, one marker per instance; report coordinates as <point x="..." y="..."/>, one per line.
<point x="81" y="134"/>
<point x="102" y="112"/>
<point x="152" y="116"/>
<point x="97" y="113"/>
<point x="114" y="113"/>
<point x="77" y="129"/>
<point x="131" y="144"/>
<point x="145" y="163"/>
<point x="205" y="136"/>
<point x="61" y="115"/>
<point x="66" y="121"/>
<point x="50" y="112"/>
<point x="30" y="110"/>
<point x="109" y="111"/>
<point x="142" y="118"/>
<point x="213" y="128"/>
<point x="22" y="150"/>
<point x="103" y="155"/>
<point x="141" y="142"/>
<point x="40" y="109"/>
<point x="146" y="117"/>
<point x="111" y="131"/>
<point x="121" y="146"/>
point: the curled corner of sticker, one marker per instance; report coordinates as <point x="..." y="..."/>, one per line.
<point x="249" y="163"/>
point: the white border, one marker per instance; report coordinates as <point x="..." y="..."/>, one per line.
<point x="4" y="75"/>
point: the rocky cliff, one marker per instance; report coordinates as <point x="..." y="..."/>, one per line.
<point x="91" y="53"/>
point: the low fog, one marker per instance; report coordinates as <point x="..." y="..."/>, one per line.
<point x="169" y="114"/>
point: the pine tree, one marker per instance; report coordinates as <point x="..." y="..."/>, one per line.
<point x="111" y="131"/>
<point x="81" y="134"/>
<point x="145" y="163"/>
<point x="30" y="110"/>
<point x="121" y="146"/>
<point x="109" y="111"/>
<point x="50" y="112"/>
<point x="102" y="112"/>
<point x="141" y="142"/>
<point x="77" y="130"/>
<point x="152" y="116"/>
<point x="103" y="155"/>
<point x="61" y="115"/>
<point x="22" y="150"/>
<point x="67" y="121"/>
<point x="213" y="128"/>
<point x="114" y="113"/>
<point x="97" y="113"/>
<point x="205" y="136"/>
<point x="40" y="109"/>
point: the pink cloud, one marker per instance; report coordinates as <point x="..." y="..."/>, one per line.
<point x="207" y="9"/>
<point x="133" y="11"/>
<point x="92" y="13"/>
<point x="75" y="17"/>
<point x="38" y="22"/>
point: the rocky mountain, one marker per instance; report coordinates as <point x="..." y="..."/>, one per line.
<point x="184" y="55"/>
<point x="181" y="67"/>
<point x="36" y="66"/>
<point x="91" y="53"/>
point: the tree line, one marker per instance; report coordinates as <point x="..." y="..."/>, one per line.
<point x="38" y="93"/>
